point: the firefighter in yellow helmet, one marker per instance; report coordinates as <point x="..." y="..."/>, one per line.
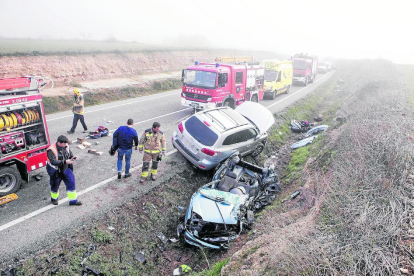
<point x="78" y="111"/>
<point x="153" y="144"/>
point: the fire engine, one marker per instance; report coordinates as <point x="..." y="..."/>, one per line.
<point x="305" y="68"/>
<point x="228" y="82"/>
<point x="24" y="136"/>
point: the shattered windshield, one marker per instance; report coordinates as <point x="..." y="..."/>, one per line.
<point x="223" y="197"/>
<point x="203" y="79"/>
<point x="299" y="64"/>
<point x="270" y="75"/>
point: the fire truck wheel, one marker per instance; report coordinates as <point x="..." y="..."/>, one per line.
<point x="254" y="99"/>
<point x="228" y="103"/>
<point x="10" y="180"/>
<point x="306" y="82"/>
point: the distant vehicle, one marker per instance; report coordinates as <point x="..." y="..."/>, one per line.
<point x="24" y="136"/>
<point x="322" y="68"/>
<point x="229" y="82"/>
<point x="208" y="137"/>
<point x="220" y="210"/>
<point x="329" y="66"/>
<point x="305" y="69"/>
<point x="278" y="77"/>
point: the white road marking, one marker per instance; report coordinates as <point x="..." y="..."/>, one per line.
<point x="44" y="209"/>
<point x="293" y="93"/>
<point x="139" y="101"/>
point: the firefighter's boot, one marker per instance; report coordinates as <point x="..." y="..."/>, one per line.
<point x="145" y="172"/>
<point x="153" y="177"/>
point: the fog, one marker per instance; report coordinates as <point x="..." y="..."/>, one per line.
<point x="349" y="29"/>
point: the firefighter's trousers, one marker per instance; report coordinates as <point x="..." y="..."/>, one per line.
<point x="148" y="156"/>
<point x="56" y="178"/>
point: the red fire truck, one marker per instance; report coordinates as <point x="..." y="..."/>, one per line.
<point x="24" y="136"/>
<point x="228" y="82"/>
<point x="305" y="68"/>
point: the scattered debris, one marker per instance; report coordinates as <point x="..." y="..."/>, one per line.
<point x="178" y="258"/>
<point x="93" y="151"/>
<point x="51" y="258"/>
<point x="303" y="142"/>
<point x="91" y="250"/>
<point x="404" y="271"/>
<point x="162" y="237"/>
<point x="182" y="269"/>
<point x="81" y="140"/>
<point x="97" y="143"/>
<point x="294" y="195"/>
<point x="300" y="126"/>
<point x="99" y="152"/>
<point x="140" y="257"/>
<point x="38" y="177"/>
<point x="87" y="270"/>
<point x="80" y="147"/>
<point x="109" y="122"/>
<point x="318" y="118"/>
<point x="181" y="208"/>
<point x="111" y="228"/>
<point x="173" y="240"/>
<point x="54" y="270"/>
<point x="86" y="144"/>
<point x="8" y="198"/>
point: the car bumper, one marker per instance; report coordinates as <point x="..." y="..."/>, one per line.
<point x="197" y="105"/>
<point x="299" y="79"/>
<point x="191" y="239"/>
<point x="202" y="164"/>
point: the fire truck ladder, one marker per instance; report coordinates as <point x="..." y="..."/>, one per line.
<point x="21" y="85"/>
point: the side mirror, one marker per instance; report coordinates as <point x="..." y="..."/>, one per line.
<point x="182" y="80"/>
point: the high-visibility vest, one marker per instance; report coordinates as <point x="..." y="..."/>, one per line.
<point x="53" y="148"/>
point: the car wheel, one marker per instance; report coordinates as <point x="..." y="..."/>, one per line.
<point x="228" y="103"/>
<point x="273" y="95"/>
<point x="10" y="180"/>
<point x="254" y="99"/>
<point x="258" y="150"/>
<point x="306" y="82"/>
<point x="287" y="90"/>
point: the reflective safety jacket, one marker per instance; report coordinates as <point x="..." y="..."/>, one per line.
<point x="78" y="105"/>
<point x="152" y="142"/>
<point x="57" y="156"/>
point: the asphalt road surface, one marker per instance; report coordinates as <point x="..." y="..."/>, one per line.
<point x="31" y="222"/>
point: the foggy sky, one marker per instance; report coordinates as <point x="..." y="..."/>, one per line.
<point x="345" y="29"/>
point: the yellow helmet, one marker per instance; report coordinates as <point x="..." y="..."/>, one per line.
<point x="76" y="91"/>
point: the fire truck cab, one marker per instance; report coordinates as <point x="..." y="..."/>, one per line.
<point x="228" y="82"/>
<point x="24" y="136"/>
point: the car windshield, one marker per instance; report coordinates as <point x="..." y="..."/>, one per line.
<point x="270" y="75"/>
<point x="299" y="64"/>
<point x="197" y="78"/>
<point x="199" y="131"/>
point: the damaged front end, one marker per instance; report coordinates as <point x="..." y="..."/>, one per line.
<point x="213" y="219"/>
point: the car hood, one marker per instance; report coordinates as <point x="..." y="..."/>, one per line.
<point x="203" y="204"/>
<point x="258" y="114"/>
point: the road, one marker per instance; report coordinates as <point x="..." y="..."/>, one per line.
<point x="31" y="222"/>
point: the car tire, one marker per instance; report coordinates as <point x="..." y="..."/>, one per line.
<point x="228" y="103"/>
<point x="273" y="95"/>
<point x="258" y="150"/>
<point x="306" y="82"/>
<point x="287" y="90"/>
<point x="10" y="180"/>
<point x="255" y="99"/>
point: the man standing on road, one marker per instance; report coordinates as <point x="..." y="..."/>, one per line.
<point x="124" y="138"/>
<point x="152" y="142"/>
<point x="78" y="111"/>
<point x="60" y="167"/>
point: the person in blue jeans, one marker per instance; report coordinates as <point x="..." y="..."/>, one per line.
<point x="124" y="138"/>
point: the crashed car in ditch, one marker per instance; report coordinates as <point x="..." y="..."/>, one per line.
<point x="220" y="210"/>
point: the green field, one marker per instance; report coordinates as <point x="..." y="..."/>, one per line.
<point x="33" y="47"/>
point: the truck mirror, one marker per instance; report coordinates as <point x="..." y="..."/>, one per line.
<point x="182" y="80"/>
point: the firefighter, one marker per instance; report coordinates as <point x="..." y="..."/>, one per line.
<point x="152" y="143"/>
<point x="78" y="111"/>
<point x="60" y="167"/>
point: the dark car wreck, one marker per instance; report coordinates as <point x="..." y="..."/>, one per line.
<point x="220" y="210"/>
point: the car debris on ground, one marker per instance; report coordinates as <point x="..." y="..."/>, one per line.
<point x="8" y="198"/>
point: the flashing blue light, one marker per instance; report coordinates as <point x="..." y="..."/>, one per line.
<point x="196" y="63"/>
<point x="217" y="65"/>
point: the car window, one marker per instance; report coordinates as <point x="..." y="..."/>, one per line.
<point x="239" y="77"/>
<point x="230" y="140"/>
<point x="200" y="131"/>
<point x="246" y="135"/>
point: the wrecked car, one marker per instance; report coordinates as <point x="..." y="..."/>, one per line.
<point x="309" y="136"/>
<point x="300" y="126"/>
<point x="220" y="210"/>
<point x="208" y="137"/>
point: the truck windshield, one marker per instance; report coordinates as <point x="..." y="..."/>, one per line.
<point x="270" y="75"/>
<point x="197" y="78"/>
<point x="299" y="64"/>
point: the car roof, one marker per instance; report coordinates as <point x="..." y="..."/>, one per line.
<point x="222" y="119"/>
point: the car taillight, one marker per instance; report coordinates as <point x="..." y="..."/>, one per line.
<point x="209" y="152"/>
<point x="180" y="127"/>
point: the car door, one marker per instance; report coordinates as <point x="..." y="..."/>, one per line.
<point x="247" y="141"/>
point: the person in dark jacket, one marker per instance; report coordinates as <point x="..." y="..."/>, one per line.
<point x="124" y="138"/>
<point x="60" y="167"/>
